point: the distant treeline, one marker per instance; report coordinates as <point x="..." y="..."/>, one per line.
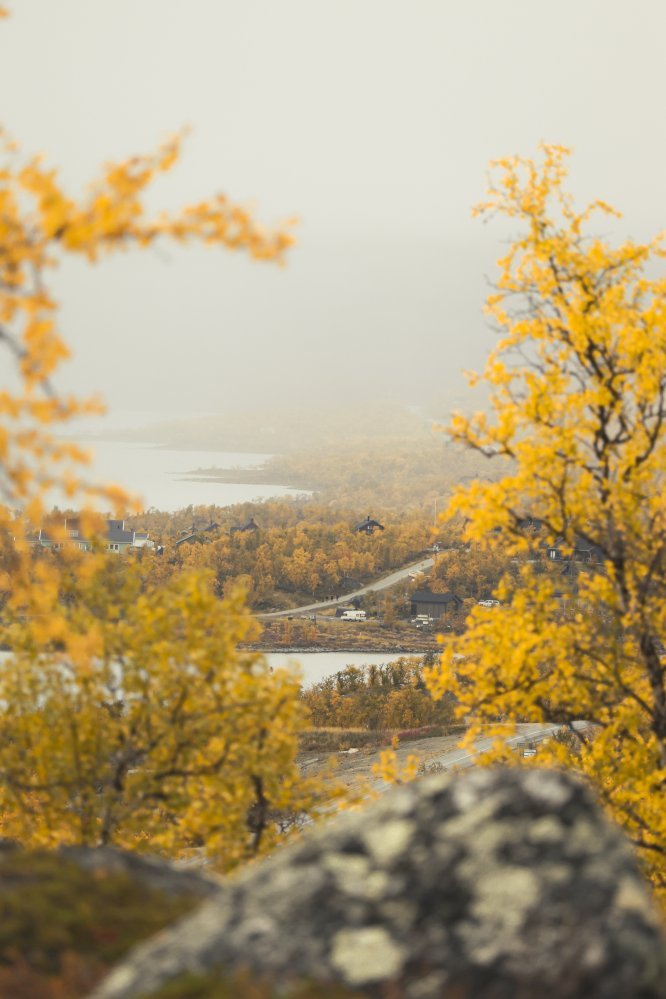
<point x="396" y="474"/>
<point x="385" y="697"/>
<point x="298" y="549"/>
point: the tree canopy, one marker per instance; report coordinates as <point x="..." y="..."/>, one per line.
<point x="578" y="399"/>
<point x="128" y="715"/>
<point x="143" y="725"/>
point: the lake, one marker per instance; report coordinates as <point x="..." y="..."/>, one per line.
<point x="163" y="477"/>
<point x="317" y="665"/>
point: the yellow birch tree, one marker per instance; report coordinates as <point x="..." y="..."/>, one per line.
<point x="127" y="713"/>
<point x="142" y="724"/>
<point x="578" y="405"/>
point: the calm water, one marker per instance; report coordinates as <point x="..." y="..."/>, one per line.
<point x="315" y="666"/>
<point x="161" y="477"/>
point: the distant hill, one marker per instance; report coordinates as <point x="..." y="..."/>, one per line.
<point x="371" y="473"/>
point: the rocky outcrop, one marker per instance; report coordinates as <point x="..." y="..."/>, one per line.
<point x="495" y="884"/>
<point x="70" y="916"/>
<point x="155" y="874"/>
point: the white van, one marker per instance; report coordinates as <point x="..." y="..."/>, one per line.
<point x="353" y="615"/>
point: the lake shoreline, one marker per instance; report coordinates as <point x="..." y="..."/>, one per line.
<point x="169" y="479"/>
<point x="262" y="476"/>
<point x="315" y="649"/>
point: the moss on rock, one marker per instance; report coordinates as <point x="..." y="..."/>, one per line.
<point x="246" y="986"/>
<point x="62" y="927"/>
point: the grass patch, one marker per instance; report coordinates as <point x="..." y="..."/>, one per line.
<point x="245" y="986"/>
<point x="63" y="927"/>
<point x="332" y="740"/>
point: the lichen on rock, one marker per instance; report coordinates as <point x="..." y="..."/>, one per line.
<point x="493" y="884"/>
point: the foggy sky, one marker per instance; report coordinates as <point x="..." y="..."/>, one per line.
<point x="373" y="121"/>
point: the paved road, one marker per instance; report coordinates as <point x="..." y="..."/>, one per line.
<point x="441" y="752"/>
<point x="525" y="735"/>
<point x="461" y="759"/>
<point x="379" y="584"/>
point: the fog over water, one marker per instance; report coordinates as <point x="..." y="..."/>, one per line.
<point x="166" y="479"/>
<point x="373" y="121"/>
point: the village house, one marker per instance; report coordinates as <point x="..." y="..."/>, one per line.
<point x="118" y="537"/>
<point x="189" y="539"/>
<point x="433" y="604"/>
<point x="368" y="526"/>
<point x="582" y="551"/>
<point x="246" y="528"/>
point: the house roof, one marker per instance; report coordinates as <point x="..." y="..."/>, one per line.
<point x="579" y="547"/>
<point x="117" y="535"/>
<point x="427" y="597"/>
<point x="188" y="539"/>
<point x="369" y="522"/>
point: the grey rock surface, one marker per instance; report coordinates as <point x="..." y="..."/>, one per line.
<point x="149" y="871"/>
<point x="493" y="884"/>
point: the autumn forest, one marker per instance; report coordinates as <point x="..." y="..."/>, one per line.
<point x="503" y="560"/>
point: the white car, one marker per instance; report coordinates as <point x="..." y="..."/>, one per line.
<point x="489" y="603"/>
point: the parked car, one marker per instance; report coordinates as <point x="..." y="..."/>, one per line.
<point x="422" y="621"/>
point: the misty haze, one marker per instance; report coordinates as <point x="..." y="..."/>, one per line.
<point x="332" y="451"/>
<point x="372" y="123"/>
